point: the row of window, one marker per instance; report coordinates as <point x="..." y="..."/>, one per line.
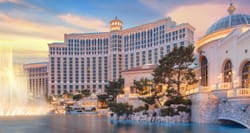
<point x="153" y="56"/>
<point x="139" y="40"/>
<point x="151" y="38"/>
<point x="227" y="73"/>
<point x="74" y="70"/>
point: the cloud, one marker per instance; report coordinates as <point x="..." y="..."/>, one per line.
<point x="199" y="13"/>
<point x="202" y="16"/>
<point x="169" y="5"/>
<point x="22" y="27"/>
<point x="20" y="2"/>
<point x="29" y="56"/>
<point x="23" y="34"/>
<point x="199" y="16"/>
<point x="85" y="22"/>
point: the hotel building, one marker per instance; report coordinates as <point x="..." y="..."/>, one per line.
<point x="90" y="60"/>
<point x="37" y="74"/>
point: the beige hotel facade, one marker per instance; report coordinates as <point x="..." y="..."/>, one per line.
<point x="90" y="60"/>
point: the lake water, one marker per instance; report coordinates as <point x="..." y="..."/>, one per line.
<point x="87" y="123"/>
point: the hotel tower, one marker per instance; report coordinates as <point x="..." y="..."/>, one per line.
<point x="90" y="60"/>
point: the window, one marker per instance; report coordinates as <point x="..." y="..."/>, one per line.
<point x="131" y="60"/>
<point x="150" y="57"/>
<point x="204" y="71"/>
<point x="182" y="44"/>
<point x="161" y="52"/>
<point x="143" y="57"/>
<point x="126" y="61"/>
<point x="137" y="58"/>
<point x="228" y="72"/>
<point x="246" y="75"/>
<point x="156" y="56"/>
<point x="168" y="49"/>
<point x="175" y="45"/>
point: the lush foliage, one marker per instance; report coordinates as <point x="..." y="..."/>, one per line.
<point x="114" y="88"/>
<point x="175" y="68"/>
<point x="149" y="92"/>
<point x="120" y="108"/>
<point x="142" y="86"/>
<point x="174" y="98"/>
<point x="86" y="92"/>
<point x="103" y="100"/>
<point x="139" y="109"/>
<point x="77" y="97"/>
<point x="183" y="109"/>
<point x="168" y="112"/>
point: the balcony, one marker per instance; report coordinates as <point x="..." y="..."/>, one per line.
<point x="225" y="85"/>
<point x="192" y="91"/>
<point x="240" y="92"/>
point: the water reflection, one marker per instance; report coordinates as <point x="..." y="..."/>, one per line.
<point x="100" y="124"/>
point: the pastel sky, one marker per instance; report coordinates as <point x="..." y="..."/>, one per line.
<point x="29" y="25"/>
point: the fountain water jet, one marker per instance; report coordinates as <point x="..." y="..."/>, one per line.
<point x="14" y="94"/>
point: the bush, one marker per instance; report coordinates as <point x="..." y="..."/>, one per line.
<point x="145" y="113"/>
<point x="177" y="100"/>
<point x="120" y="108"/>
<point x="168" y="112"/>
<point x="183" y="109"/>
<point x="77" y="97"/>
<point x="187" y="102"/>
<point x="139" y="109"/>
<point x="146" y="106"/>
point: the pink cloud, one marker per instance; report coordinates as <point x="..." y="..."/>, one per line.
<point x="200" y="16"/>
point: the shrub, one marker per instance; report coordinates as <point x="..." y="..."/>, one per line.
<point x="168" y="112"/>
<point x="145" y="113"/>
<point x="77" y="97"/>
<point x="139" y="109"/>
<point x="177" y="100"/>
<point x="183" y="109"/>
<point x="120" y="108"/>
<point x="146" y="106"/>
<point x="187" y="102"/>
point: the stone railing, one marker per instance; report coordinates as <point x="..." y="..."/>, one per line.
<point x="205" y="89"/>
<point x="241" y="92"/>
<point x="133" y="95"/>
<point x="198" y="89"/>
<point x="192" y="91"/>
<point x="225" y="85"/>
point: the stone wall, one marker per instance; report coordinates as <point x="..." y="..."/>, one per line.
<point x="204" y="108"/>
<point x="234" y="112"/>
<point x="207" y="108"/>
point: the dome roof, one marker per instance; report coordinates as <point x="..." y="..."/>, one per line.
<point x="229" y="21"/>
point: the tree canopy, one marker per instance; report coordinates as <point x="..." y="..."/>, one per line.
<point x="86" y="92"/>
<point x="175" y="69"/>
<point x="114" y="88"/>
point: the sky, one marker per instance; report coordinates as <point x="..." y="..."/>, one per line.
<point x="29" y="25"/>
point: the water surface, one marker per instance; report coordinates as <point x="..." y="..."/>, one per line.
<point x="89" y="123"/>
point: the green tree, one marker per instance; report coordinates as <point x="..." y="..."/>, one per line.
<point x="149" y="91"/>
<point x="86" y="92"/>
<point x="114" y="88"/>
<point x="142" y="86"/>
<point x="120" y="108"/>
<point x="103" y="100"/>
<point x="176" y="69"/>
<point x="77" y="97"/>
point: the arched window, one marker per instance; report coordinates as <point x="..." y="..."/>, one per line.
<point x="228" y="71"/>
<point x="245" y="82"/>
<point x="204" y="71"/>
